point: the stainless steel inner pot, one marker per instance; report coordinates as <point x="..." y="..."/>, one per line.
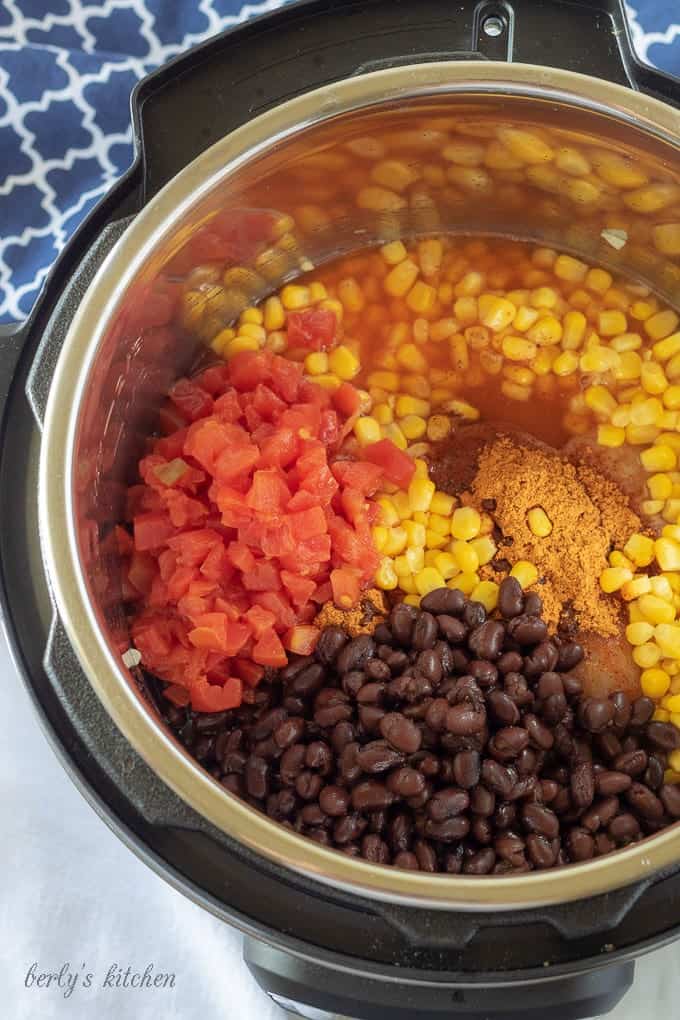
<point x="604" y="182"/>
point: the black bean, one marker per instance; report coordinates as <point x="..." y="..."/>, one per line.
<point x="580" y="844"/>
<point x="448" y="831"/>
<point x="596" y="714"/>
<point x="309" y="680"/>
<point x="343" y="734"/>
<point x="483" y="672"/>
<point x="348" y="765"/>
<point x="539" y="734"/>
<point x="633" y="763"/>
<point x="654" y="773"/>
<point x="480" y="863"/>
<point x="509" y="662"/>
<point x="256" y="776"/>
<point x="369" y="717"/>
<point x="600" y="814"/>
<point x="467" y="769"/>
<point x="371" y="693"/>
<point x="497" y="778"/>
<point x="670" y="797"/>
<point x="540" y="819"/>
<point x="533" y="604"/>
<point x="406" y="860"/>
<point x="569" y="654"/>
<point x="527" y="630"/>
<point x="482" y="801"/>
<point x="541" y="851"/>
<point x="624" y="828"/>
<point x="505" y="816"/>
<point x="609" y="745"/>
<point x="508" y="743"/>
<point x="349" y="828"/>
<point x="644" y="802"/>
<point x="289" y="732"/>
<point x="308" y="785"/>
<point x="374" y="849"/>
<point x="377" y="756"/>
<point x="503" y="708"/>
<point x="444" y="600"/>
<point x="353" y="681"/>
<point x="370" y="795"/>
<point x="356" y="653"/>
<point x="486" y="641"/>
<point x="401" y="732"/>
<point x="582" y="785"/>
<point x="377" y="669"/>
<point x="427" y="858"/>
<point x="510" y="847"/>
<point x="429" y="663"/>
<point x="451" y="629"/>
<point x="642" y="711"/>
<point x="510" y="598"/>
<point x="665" y="736"/>
<point x="610" y="783"/>
<point x="402" y="619"/>
<point x="465" y="719"/>
<point x="424" y="632"/>
<point x="622" y="709"/>
<point x="331" y="706"/>
<point x="541" y="659"/>
<point x="331" y="642"/>
<point x="334" y="801"/>
<point x="319" y="757"/>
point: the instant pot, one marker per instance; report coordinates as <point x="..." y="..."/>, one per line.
<point x="272" y="116"/>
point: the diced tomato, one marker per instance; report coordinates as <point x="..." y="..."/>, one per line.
<point x="190" y="400"/>
<point x="236" y="462"/>
<point x="248" y="369"/>
<point x="214" y="379"/>
<point x="227" y="407"/>
<point x="316" y="549"/>
<point x="267" y="404"/>
<point x="314" y="328"/>
<point x="152" y="530"/>
<point x="182" y="509"/>
<point x="307" y="523"/>
<point x="218" y="633"/>
<point x="286" y="378"/>
<point x="272" y="535"/>
<point x="323" y="593"/>
<point x="260" y="620"/>
<point x="303" y="419"/>
<point x="178" y="582"/>
<point x="354" y="507"/>
<point x="207" y="697"/>
<point x="241" y="556"/>
<point x="360" y="475"/>
<point x="299" y="588"/>
<point x="302" y="500"/>
<point x="248" y="671"/>
<point x="301" y="639"/>
<point x="235" y="511"/>
<point x="396" y="465"/>
<point x="345" y="586"/>
<point x="206" y="245"/>
<point x="279" y="449"/>
<point x="209" y="439"/>
<point x="216" y="565"/>
<point x="346" y="400"/>
<point x="329" y="430"/>
<point x="277" y="603"/>
<point x="171" y="446"/>
<point x="268" y="493"/>
<point x="263" y="577"/>
<point x="192" y="547"/>
<point x="269" y="651"/>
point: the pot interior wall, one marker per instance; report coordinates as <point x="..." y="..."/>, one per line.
<point x="523" y="167"/>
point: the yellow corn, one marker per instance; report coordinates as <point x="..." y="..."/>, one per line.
<point x="464" y="582"/>
<point x="495" y="312"/>
<point x="667" y="637"/>
<point x="610" y="435"/>
<point x="241" y="343"/>
<point x="655" y="609"/>
<point x="420" y="493"/>
<point x="573" y="330"/>
<point x="485" y="547"/>
<point x="428" y="579"/>
<point x="517" y="348"/>
<point x="367" y="430"/>
<point x="659" y="458"/>
<point x="386" y="576"/>
<point x="639" y="633"/>
<point x="465" y="523"/>
<point x="442" y="504"/>
<point x="654" y="683"/>
<point x="415" y="533"/>
<point x="407" y="405"/>
<point x="393" y="253"/>
<point x="613" y="578"/>
<point x="653" y="377"/>
<point x="486" y="592"/>
<point x="660" y="486"/>
<point x="546" y="331"/>
<point x="401" y="278"/>
<point x="539" y="522"/>
<point x="343" y="362"/>
<point x="600" y="400"/>
<point x="410" y="357"/>
<point x="525" y="572"/>
<point x="565" y="363"/>
<point x="465" y="556"/>
<point x="446" y="564"/>
<point x="421" y="297"/>
<point x="646" y="656"/>
<point x="661" y="324"/>
<point x="274" y="314"/>
<point x="389" y="514"/>
<point x="639" y="585"/>
<point x="294" y="297"/>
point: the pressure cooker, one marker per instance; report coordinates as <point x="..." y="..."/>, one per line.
<point x="250" y="120"/>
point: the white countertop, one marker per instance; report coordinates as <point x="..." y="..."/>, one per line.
<point x="71" y="893"/>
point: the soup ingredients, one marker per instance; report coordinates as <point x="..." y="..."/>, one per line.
<point x="446" y="741"/>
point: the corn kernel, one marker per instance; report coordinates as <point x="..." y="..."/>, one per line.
<point x="637" y="435"/>
<point x="573" y="330"/>
<point x="639" y="633"/>
<point x="671" y="398"/>
<point x="650" y="507"/>
<point x="610" y="435"/>
<point x="525" y="572"/>
<point x="428" y="579"/>
<point x="415" y="558"/>
<point x="464" y="582"/>
<point x="667" y="637"/>
<point x="565" y="364"/>
<point x="383" y="414"/>
<point x="465" y="556"/>
<point x="640" y="585"/>
<point x="412" y="600"/>
<point x="421" y="297"/>
<point x="600" y="400"/>
<point x="517" y="348"/>
<point x="294" y="297"/>
<point x="659" y="458"/>
<point x="653" y="377"/>
<point x="485" y="548"/>
<point x="343" y="362"/>
<point x="439" y="523"/>
<point x="442" y="504"/>
<point x="599" y="359"/>
<point x="401" y="278"/>
<point x="430" y="254"/>
<point x="617" y="559"/>
<point x="415" y="533"/>
<point x="388" y="512"/>
<point x="384" y="381"/>
<point x="646" y="656"/>
<point x="486" y="592"/>
<point x="660" y="586"/>
<point x="386" y="576"/>
<point x="539" y="523"/>
<point x="667" y="552"/>
<point x="598" y="280"/>
<point x="546" y="331"/>
<point x="654" y="683"/>
<point x="660" y="486"/>
<point x="465" y="523"/>
<point x="525" y="145"/>
<point x="421" y="466"/>
<point x="495" y="312"/>
<point x="661" y="324"/>
<point x="393" y="253"/>
<point x="420" y="493"/>
<point x="402" y="568"/>
<point x="367" y="430"/>
<point x="274" y="314"/>
<point x="241" y="343"/>
<point x="434" y="540"/>
<point x="655" y="609"/>
<point x="410" y="357"/>
<point x="646" y="412"/>
<point x="446" y="564"/>
<point x="316" y="363"/>
<point x="407" y="405"/>
<point x="395" y="542"/>
<point x="613" y="578"/>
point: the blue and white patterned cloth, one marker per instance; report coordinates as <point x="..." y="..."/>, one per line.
<point x="67" y="68"/>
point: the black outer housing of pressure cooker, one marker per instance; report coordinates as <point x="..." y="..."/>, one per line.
<point x="312" y="947"/>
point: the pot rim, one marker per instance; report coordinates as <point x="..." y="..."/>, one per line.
<point x="57" y="529"/>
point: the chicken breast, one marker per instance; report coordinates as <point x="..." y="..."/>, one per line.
<point x="607" y="666"/>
